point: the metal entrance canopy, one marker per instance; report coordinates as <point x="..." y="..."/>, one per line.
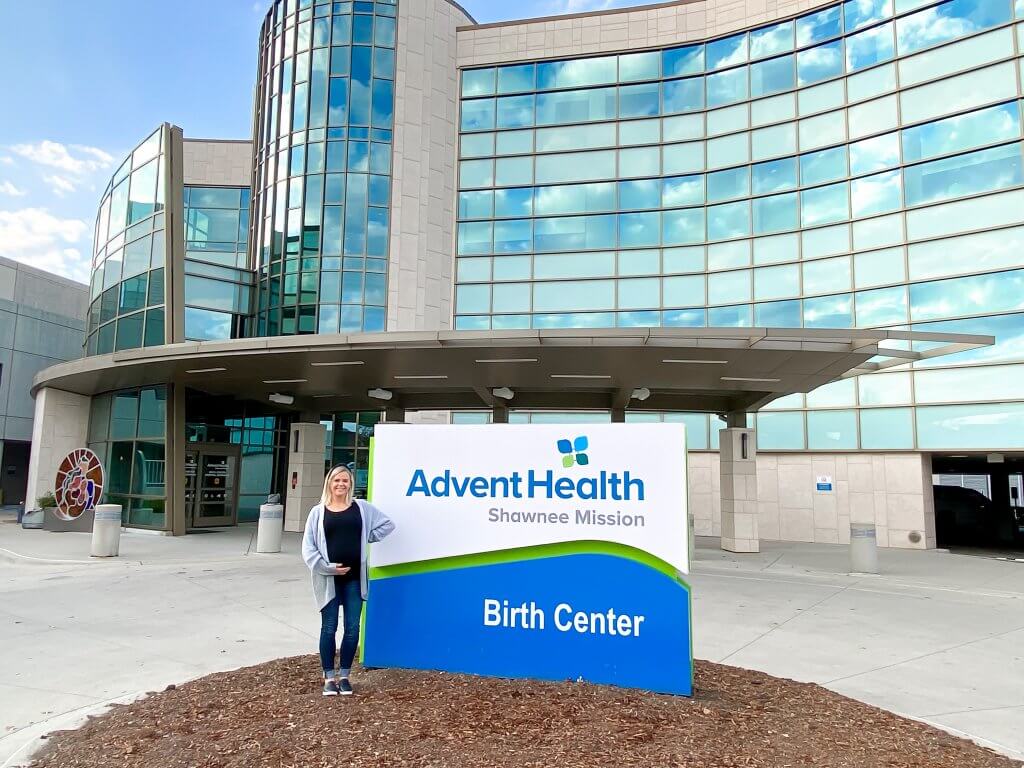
<point x="717" y="370"/>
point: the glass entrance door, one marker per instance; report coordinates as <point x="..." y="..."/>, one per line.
<point x="211" y="485"/>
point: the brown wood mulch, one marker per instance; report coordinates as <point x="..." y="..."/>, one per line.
<point x="273" y="715"/>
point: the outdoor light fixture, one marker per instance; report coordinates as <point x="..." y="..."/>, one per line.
<point x="580" y="376"/>
<point x="696" y="362"/>
<point x="640" y="393"/>
<point x="507" y="360"/>
<point x="422" y="376"/>
<point x="380" y="394"/>
<point x="206" y="370"/>
<point x="748" y="378"/>
<point x="277" y="397"/>
<point x="330" y="363"/>
<point x="503" y="392"/>
<point x="285" y="381"/>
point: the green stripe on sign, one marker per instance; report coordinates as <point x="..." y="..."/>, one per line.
<point x="559" y="549"/>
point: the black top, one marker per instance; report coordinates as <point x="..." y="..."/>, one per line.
<point x="344" y="533"/>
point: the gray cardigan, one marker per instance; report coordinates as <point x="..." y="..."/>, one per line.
<point x="376" y="525"/>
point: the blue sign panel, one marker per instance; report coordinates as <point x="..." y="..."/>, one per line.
<point x="595" y="617"/>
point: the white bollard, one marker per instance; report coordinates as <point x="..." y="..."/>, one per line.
<point x="269" y="528"/>
<point x="106" y="530"/>
<point x="863" y="548"/>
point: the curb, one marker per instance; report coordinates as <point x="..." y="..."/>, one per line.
<point x="70" y="720"/>
<point x="122" y="560"/>
<point x="17" y="557"/>
<point x="981" y="741"/>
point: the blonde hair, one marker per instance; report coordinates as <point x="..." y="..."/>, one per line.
<point x="325" y="497"/>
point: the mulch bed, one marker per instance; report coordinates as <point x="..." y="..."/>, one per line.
<point x="273" y="715"/>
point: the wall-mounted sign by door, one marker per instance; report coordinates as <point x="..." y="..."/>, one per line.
<point x="539" y="551"/>
<point x="823" y="483"/>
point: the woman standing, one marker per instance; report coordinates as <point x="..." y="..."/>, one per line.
<point x="334" y="547"/>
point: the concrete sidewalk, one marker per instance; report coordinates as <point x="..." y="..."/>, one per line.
<point x="938" y="637"/>
<point x="136" y="547"/>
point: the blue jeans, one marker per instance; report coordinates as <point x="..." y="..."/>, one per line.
<point x="350" y="600"/>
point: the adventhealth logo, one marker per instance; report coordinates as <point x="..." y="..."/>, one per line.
<point x="534" y="483"/>
<point x="573" y="451"/>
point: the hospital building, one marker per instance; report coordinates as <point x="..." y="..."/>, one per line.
<point x="795" y="226"/>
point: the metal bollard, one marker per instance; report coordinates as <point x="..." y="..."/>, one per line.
<point x="269" y="528"/>
<point x="863" y="548"/>
<point x="106" y="531"/>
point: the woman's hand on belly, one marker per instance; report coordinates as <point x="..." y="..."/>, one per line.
<point x="340" y="569"/>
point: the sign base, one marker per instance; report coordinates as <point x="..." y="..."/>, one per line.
<point x="552" y="612"/>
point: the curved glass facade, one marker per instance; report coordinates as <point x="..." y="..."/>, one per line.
<point x="218" y="283"/>
<point x="323" y="138"/>
<point x="126" y="308"/>
<point x="858" y="166"/>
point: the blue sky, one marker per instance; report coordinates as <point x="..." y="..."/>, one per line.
<point x="84" y="82"/>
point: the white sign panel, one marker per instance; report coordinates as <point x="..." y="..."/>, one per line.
<point x="456" y="490"/>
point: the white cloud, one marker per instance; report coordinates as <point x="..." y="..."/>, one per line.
<point x="6" y="188"/>
<point x="60" y="185"/>
<point x="36" y="237"/>
<point x="5" y="160"/>
<point x="75" y="158"/>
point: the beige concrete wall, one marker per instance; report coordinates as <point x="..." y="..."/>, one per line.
<point x="61" y="425"/>
<point x="891" y="490"/>
<point x="423" y="167"/>
<point x="738" y="484"/>
<point x="217" y="163"/>
<point x="620" y="30"/>
<point x="307" y="464"/>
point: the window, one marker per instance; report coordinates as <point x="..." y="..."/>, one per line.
<point x="870" y="47"/>
<point x="988" y="169"/>
<point x="517" y="78"/>
<point x="772" y="76"/>
<point x="577" y="166"/>
<point x="726" y="52"/>
<point x="819" y="26"/>
<point x="682" y="61"/>
<point x="946" y="21"/>
<point x="477" y="82"/>
<point x="774" y="176"/>
<point x="831" y="430"/>
<point x="639" y="100"/>
<point x="575" y="106"/>
<point x="819" y="63"/>
<point x="962" y="132"/>
<point x="577" y="72"/>
<point x="771" y="40"/>
<point x="726" y="87"/>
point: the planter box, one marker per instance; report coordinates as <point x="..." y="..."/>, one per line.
<point x="81" y="524"/>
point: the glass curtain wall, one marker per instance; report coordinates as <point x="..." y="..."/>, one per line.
<point x="325" y="108"/>
<point x="218" y="283"/>
<point x="127" y="431"/>
<point x="698" y="437"/>
<point x="859" y="166"/>
<point x="129" y="250"/>
<point x="348" y="443"/>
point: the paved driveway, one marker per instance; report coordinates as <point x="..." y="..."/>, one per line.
<point x="938" y="637"/>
